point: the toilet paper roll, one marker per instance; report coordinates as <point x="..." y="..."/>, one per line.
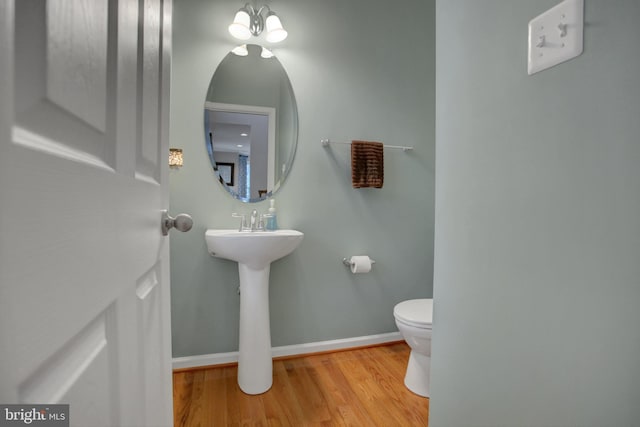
<point x="360" y="264"/>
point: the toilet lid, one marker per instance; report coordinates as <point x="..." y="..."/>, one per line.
<point x="415" y="312"/>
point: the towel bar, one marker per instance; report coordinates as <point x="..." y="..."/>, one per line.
<point x="326" y="142"/>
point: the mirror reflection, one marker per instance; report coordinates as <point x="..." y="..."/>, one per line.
<point x="250" y="123"/>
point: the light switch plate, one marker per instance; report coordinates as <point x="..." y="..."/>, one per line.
<point x="555" y="36"/>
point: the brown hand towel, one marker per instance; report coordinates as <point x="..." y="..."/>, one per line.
<point x="367" y="164"/>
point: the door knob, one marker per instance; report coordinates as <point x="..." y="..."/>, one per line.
<point x="181" y="222"/>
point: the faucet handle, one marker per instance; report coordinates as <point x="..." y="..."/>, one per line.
<point x="261" y="222"/>
<point x="243" y="221"/>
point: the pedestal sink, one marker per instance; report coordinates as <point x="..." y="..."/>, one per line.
<point x="253" y="251"/>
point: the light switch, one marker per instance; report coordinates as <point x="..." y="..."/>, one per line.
<point x="556" y="35"/>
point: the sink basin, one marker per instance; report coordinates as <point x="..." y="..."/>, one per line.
<point x="255" y="249"/>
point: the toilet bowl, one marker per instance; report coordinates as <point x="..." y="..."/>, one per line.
<point x="413" y="319"/>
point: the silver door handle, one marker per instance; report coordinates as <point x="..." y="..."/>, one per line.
<point x="181" y="222"/>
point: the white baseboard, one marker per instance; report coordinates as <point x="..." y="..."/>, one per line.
<point x="287" y="350"/>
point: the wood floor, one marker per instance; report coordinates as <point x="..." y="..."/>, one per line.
<point x="362" y="387"/>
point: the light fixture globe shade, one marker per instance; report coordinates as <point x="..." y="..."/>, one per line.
<point x="240" y="27"/>
<point x="275" y="32"/>
<point x="266" y="53"/>
<point x="240" y="50"/>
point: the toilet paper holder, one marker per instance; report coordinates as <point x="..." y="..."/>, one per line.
<point x="348" y="263"/>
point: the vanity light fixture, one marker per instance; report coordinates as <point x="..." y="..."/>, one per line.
<point x="175" y="158"/>
<point x="250" y="22"/>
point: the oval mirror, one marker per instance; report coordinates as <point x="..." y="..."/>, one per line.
<point x="251" y="123"/>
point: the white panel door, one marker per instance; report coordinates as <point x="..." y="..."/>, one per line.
<point x="84" y="292"/>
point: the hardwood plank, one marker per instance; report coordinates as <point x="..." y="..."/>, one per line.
<point x="216" y="396"/>
<point x="278" y="401"/>
<point x="361" y="387"/>
<point x="182" y="385"/>
<point x="367" y="390"/>
<point x="401" y="401"/>
<point x="309" y="396"/>
<point x="341" y="396"/>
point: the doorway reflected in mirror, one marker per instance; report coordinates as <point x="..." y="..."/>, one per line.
<point x="251" y="111"/>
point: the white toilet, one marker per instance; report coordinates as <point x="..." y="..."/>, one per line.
<point x="413" y="318"/>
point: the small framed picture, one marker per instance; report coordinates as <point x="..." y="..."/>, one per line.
<point x="225" y="171"/>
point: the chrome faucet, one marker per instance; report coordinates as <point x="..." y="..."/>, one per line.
<point x="255" y="220"/>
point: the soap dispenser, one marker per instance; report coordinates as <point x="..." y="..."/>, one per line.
<point x="272" y="219"/>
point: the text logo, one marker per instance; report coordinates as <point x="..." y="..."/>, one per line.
<point x="34" y="415"/>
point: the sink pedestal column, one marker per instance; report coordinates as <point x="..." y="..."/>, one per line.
<point x="255" y="368"/>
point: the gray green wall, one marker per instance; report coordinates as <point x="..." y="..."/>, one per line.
<point x="537" y="279"/>
<point x="360" y="70"/>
